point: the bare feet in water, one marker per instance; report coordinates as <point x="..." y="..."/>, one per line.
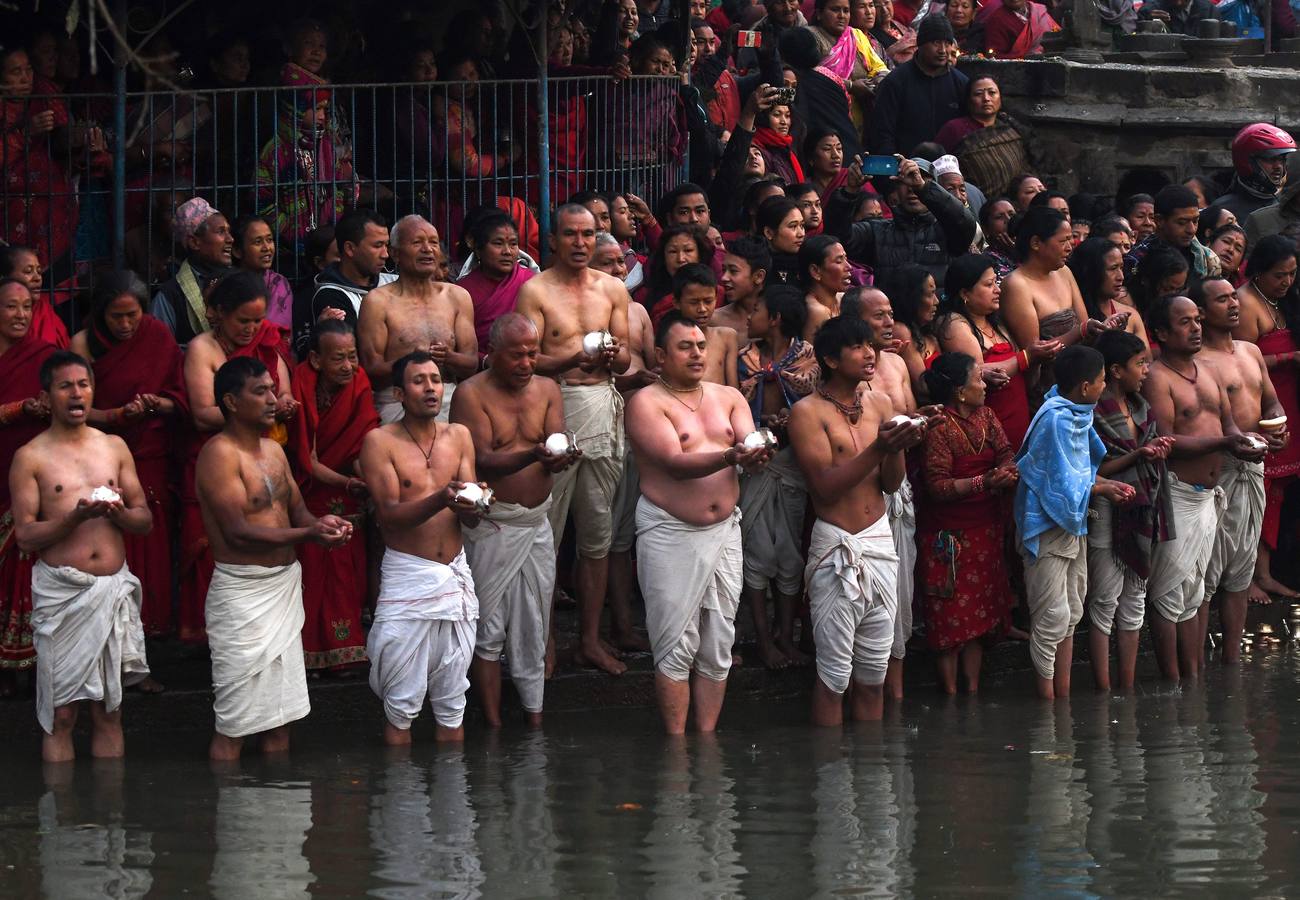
<point x="1270" y="585"/>
<point x="1258" y="595"/>
<point x="598" y="657"/>
<point x="794" y="656"/>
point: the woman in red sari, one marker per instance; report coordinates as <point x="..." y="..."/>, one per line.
<point x="497" y="271"/>
<point x="139" y="395"/>
<point x="336" y="412"/>
<point x="22" y="416"/>
<point x="959" y="533"/>
<point x="24" y="263"/>
<point x="1270" y="319"/>
<point x="240" y="328"/>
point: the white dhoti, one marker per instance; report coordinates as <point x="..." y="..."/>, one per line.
<point x="1236" y="544"/>
<point x="1117" y="596"/>
<point x="390" y="408"/>
<point x="690" y="576"/>
<point x="594" y="413"/>
<point x="512" y="556"/>
<point x="1176" y="587"/>
<point x="853" y="598"/>
<point x="774" y="500"/>
<point x="422" y="639"/>
<point x="1056" y="581"/>
<point x="902" y="523"/>
<point x="88" y="637"/>
<point x="254" y="616"/>
<point x="623" y="527"/>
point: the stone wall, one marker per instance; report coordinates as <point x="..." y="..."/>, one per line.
<point x="1095" y="123"/>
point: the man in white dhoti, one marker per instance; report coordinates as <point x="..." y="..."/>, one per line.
<point x="74" y="492"/>
<point x="254" y="516"/>
<point x="689" y="438"/>
<point x="851" y="454"/>
<point x="571" y="302"/>
<point x="423" y="635"/>
<point x="416" y="312"/>
<point x="1190" y="402"/>
<point x="511" y="416"/>
<point x="1252" y="398"/>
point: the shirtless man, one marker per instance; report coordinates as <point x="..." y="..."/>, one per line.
<point x="695" y="295"/>
<point x="415" y="312"/>
<point x="1191" y="404"/>
<point x="566" y="302"/>
<point x="1241" y="370"/>
<point x="254" y="516"/>
<point x="423" y="635"/>
<point x="510" y="413"/>
<point x="852" y="455"/>
<point x="85" y="601"/>
<point x="688" y="436"/>
<point x="744" y="273"/>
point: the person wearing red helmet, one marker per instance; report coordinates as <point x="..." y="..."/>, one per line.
<point x="1259" y="155"/>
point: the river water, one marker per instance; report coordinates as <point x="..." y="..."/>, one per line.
<point x="1172" y="792"/>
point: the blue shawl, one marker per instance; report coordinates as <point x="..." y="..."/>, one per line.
<point x="1058" y="465"/>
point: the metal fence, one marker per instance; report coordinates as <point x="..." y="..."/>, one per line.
<point x="302" y="156"/>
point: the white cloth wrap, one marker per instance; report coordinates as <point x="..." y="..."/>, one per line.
<point x="512" y="556"/>
<point x="1176" y="587"/>
<point x="88" y="637"/>
<point x="1117" y="596"/>
<point x="422" y="638"/>
<point x="1232" y="557"/>
<point x="594" y="413"/>
<point x="390" y="408"/>
<point x="254" y="616"/>
<point x="623" y="513"/>
<point x="1056" y="582"/>
<point x="902" y="522"/>
<point x="774" y="500"/>
<point x="690" y="576"/>
<point x="853" y="598"/>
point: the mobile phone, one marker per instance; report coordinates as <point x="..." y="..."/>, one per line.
<point x="879" y="165"/>
<point x="784" y="96"/>
<point x="749" y="39"/>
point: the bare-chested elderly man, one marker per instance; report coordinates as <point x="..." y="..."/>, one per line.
<point x="85" y="601"/>
<point x="567" y="302"/>
<point x="689" y="437"/>
<point x="510" y="414"/>
<point x="416" y="312"/>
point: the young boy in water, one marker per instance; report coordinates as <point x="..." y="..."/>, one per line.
<point x="1058" y="476"/>
<point x="695" y="294"/>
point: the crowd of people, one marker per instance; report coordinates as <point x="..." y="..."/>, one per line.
<point x="938" y="404"/>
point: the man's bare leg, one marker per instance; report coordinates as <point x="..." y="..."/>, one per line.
<point x="106" y="741"/>
<point x="57" y="747"/>
<point x="756" y="600"/>
<point x="1165" y="636"/>
<point x="827" y="706"/>
<point x="894" y="680"/>
<point x="1099" y="650"/>
<point x="396" y="737"/>
<point x="972" y="659"/>
<point x="1126" y="654"/>
<point x="1264" y="575"/>
<point x="674" y="699"/>
<point x="486" y="675"/>
<point x="225" y="749"/>
<point x="786" y="604"/>
<point x="275" y="741"/>
<point x="1190" y="648"/>
<point x="707" y="696"/>
<point x="444" y="735"/>
<point x="867" y="702"/>
<point x="593" y="579"/>
<point x="622" y="589"/>
<point x="946" y="665"/>
<point x="1046" y="689"/>
<point x="1064" y="659"/>
<point x="1232" y="615"/>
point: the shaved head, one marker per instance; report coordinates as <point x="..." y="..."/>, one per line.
<point x="511" y="327"/>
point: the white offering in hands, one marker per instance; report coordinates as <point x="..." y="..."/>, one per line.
<point x="1256" y="443"/>
<point x="903" y="419"/>
<point x="558" y="444"/>
<point x="762" y="437"/>
<point x="593" y="342"/>
<point x="480" y="497"/>
<point x="104" y="494"/>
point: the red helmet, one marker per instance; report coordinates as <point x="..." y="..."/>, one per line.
<point x="1260" y="139"/>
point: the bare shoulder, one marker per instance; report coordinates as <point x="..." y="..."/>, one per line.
<point x="379" y="295"/>
<point x="1252" y="350"/>
<point x="379" y="438"/>
<point x="723" y="393"/>
<point x="645" y="402"/>
<point x="80" y="344"/>
<point x="880" y="402"/>
<point x="532" y="293"/>
<point x="546" y="389"/>
<point x="203" y="349"/>
<point x="807" y="409"/>
<point x="30" y="454"/>
<point x="724" y="333"/>
<point x="638" y="316"/>
<point x="471" y="387"/>
<point x="273" y="450"/>
<point x="112" y="443"/>
<point x="216" y="451"/>
<point x="458" y="294"/>
<point x="948" y="328"/>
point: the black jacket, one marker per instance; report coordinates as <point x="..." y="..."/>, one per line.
<point x="911" y="107"/>
<point x="931" y="239"/>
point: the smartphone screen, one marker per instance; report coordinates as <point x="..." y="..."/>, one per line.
<point x="879" y="165"/>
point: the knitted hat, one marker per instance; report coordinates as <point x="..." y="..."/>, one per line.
<point x="190" y="217"/>
<point x="935" y="28"/>
<point x="946" y="165"/>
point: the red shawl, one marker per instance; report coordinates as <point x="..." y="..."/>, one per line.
<point x="782" y="144"/>
<point x="47" y="326"/>
<point x="150" y="362"/>
<point x="492" y="299"/>
<point x="335" y="436"/>
<point x="20" y="367"/>
<point x="268" y="345"/>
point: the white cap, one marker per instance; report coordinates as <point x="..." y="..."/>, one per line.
<point x="946" y="165"/>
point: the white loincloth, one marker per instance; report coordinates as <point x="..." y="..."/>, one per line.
<point x="512" y="556"/>
<point x="690" y="576"/>
<point x="88" y="637"/>
<point x="902" y="523"/>
<point x="853" y="598"/>
<point x="1176" y="587"/>
<point x="1117" y="596"/>
<point x="774" y="500"/>
<point x="594" y="413"/>
<point x="1056" y="581"/>
<point x="1232" y="557"/>
<point x="422" y="639"/>
<point x="390" y="408"/>
<point x="254" y="616"/>
<point x="623" y="527"/>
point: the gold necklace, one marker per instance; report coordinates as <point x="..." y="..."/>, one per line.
<point x="673" y="392"/>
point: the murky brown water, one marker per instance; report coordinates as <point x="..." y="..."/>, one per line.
<point x="1165" y="794"/>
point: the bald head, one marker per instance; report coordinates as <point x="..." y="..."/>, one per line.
<point x="511" y="328"/>
<point x="515" y="345"/>
<point x="872" y="306"/>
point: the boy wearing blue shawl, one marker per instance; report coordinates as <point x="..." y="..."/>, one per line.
<point x="1058" y="476"/>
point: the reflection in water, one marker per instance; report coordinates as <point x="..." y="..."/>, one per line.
<point x="1237" y="806"/>
<point x="516" y="833"/>
<point x="1055" y="851"/>
<point x="1179" y="794"/>
<point x="260" y="833"/>
<point x="82" y="859"/>
<point x="422" y="829"/>
<point x="1115" y="768"/>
